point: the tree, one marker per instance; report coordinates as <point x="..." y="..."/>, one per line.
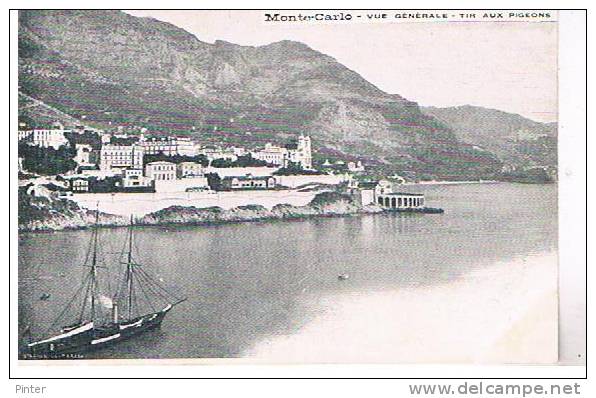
<point x="294" y="168"/>
<point x="214" y="181"/>
<point x="249" y="161"/>
<point x="222" y="163"/>
<point x="47" y="161"/>
<point x="161" y="157"/>
<point x="241" y="161"/>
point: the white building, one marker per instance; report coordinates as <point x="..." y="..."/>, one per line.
<point x="106" y="138"/>
<point x="83" y="156"/>
<point x="299" y="152"/>
<point x="382" y="194"/>
<point x="134" y="178"/>
<point x="272" y="154"/>
<point x="79" y="185"/>
<point x="77" y="182"/>
<point x="355" y="166"/>
<point x="121" y="157"/>
<point x="219" y="153"/>
<point x="238" y="151"/>
<point x="45" y="138"/>
<point x="169" y="146"/>
<point x="401" y="200"/>
<point x="161" y="171"/>
<point x="189" y="169"/>
<point x="249" y="182"/>
<point x="383" y="187"/>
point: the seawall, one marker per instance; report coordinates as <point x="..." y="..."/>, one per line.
<point x="45" y="214"/>
<point x="141" y="204"/>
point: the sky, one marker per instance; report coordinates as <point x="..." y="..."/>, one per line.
<point x="510" y="66"/>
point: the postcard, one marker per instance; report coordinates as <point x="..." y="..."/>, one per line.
<point x="288" y="187"/>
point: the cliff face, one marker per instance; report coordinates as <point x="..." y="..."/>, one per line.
<point x="110" y="68"/>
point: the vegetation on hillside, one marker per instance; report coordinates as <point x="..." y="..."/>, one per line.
<point x="528" y="176"/>
<point x="241" y="161"/>
<point x="201" y="159"/>
<point x="51" y="213"/>
<point x="294" y="168"/>
<point x="47" y="161"/>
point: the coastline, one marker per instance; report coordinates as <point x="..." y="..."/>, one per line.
<point x="66" y="215"/>
<point x="452" y="182"/>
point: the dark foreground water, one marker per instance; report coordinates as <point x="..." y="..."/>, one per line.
<point x="248" y="283"/>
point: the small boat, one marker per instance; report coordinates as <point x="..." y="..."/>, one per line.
<point x="139" y="304"/>
<point x="343" y="277"/>
<point x="44" y="297"/>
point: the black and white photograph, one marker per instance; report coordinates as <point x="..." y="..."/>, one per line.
<point x="290" y="187"/>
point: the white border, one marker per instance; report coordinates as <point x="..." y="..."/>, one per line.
<point x="572" y="194"/>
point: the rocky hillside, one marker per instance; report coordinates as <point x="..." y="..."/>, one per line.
<point x="516" y="140"/>
<point x="51" y="213"/>
<point x="110" y="68"/>
<point x="32" y="111"/>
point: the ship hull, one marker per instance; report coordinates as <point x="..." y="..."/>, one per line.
<point x="75" y="347"/>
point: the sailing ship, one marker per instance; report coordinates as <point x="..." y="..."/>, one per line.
<point x="140" y="303"/>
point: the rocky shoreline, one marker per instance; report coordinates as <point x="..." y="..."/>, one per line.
<point x="45" y="214"/>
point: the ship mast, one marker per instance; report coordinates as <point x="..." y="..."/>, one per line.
<point x="94" y="284"/>
<point x="129" y="269"/>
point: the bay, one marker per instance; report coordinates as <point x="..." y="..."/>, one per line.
<point x="250" y="284"/>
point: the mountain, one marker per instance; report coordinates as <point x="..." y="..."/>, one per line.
<point x="516" y="140"/>
<point x="35" y="112"/>
<point x="109" y="68"/>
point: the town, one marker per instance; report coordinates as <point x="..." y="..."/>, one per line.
<point x="89" y="165"/>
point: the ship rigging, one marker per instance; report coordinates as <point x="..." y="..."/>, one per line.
<point x="140" y="303"/>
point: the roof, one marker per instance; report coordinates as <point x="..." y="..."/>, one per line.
<point x="75" y="177"/>
<point x="246" y="178"/>
<point x="119" y="147"/>
<point x="368" y="184"/>
<point x="160" y="162"/>
<point x="404" y="194"/>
